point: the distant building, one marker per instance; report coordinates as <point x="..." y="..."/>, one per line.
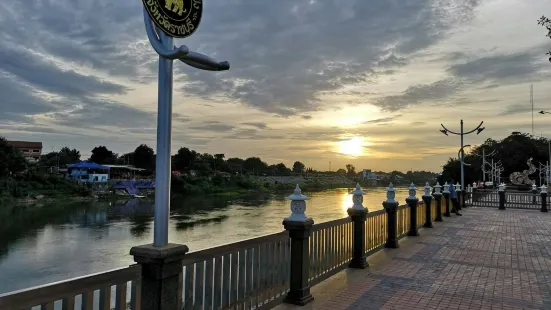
<point x="31" y="150"/>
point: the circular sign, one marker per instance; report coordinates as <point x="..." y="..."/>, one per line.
<point x="177" y="18"/>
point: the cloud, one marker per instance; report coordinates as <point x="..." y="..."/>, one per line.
<point x="518" y="67"/>
<point x="383" y="120"/>
<point x="418" y="94"/>
<point x="259" y="125"/>
<point x="213" y="126"/>
<point x="285" y="53"/>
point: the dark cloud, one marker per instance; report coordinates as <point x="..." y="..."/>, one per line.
<point x="212" y="126"/>
<point x="259" y="125"/>
<point x="516" y="68"/>
<point x="34" y="70"/>
<point x="419" y="94"/>
<point x="285" y="53"/>
<point x="384" y="120"/>
<point x="98" y="113"/>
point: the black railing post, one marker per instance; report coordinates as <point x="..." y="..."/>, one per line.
<point x="543" y="198"/>
<point x="299" y="227"/>
<point x="438" y="197"/>
<point x="534" y="193"/>
<point x="161" y="274"/>
<point x="501" y="193"/>
<point x="427" y="199"/>
<point x="446" y="194"/>
<point x="358" y="214"/>
<point x="412" y="202"/>
<point x="391" y="207"/>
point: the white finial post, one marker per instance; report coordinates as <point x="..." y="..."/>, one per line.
<point x="474" y="184"/>
<point x="412" y="191"/>
<point x="358" y="198"/>
<point x="501" y="187"/>
<point x="534" y="187"/>
<point x="446" y="188"/>
<point x="427" y="190"/>
<point x="457" y="187"/>
<point x="543" y="189"/>
<point x="437" y="189"/>
<point x="390" y="194"/>
<point x="298" y="206"/>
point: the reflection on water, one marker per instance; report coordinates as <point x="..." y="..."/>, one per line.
<point x="64" y="241"/>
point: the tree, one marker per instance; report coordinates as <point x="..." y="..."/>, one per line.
<point x="102" y="155"/>
<point x="185" y="159"/>
<point x="235" y="165"/>
<point x="144" y="157"/>
<point x="254" y="165"/>
<point x="546" y="22"/>
<point x="12" y="160"/>
<point x="64" y="157"/>
<point x="298" y="167"/>
<point x="219" y="163"/>
<point x="350" y="170"/>
<point x="341" y="171"/>
<point x="512" y="152"/>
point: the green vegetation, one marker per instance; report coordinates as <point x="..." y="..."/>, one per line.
<point x="19" y="179"/>
<point x="513" y="152"/>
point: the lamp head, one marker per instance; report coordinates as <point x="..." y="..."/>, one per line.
<point x="479" y="130"/>
<point x="541" y="112"/>
<point x="444" y="131"/>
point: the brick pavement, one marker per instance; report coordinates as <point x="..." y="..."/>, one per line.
<point x="487" y="259"/>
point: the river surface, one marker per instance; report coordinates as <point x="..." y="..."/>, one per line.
<point x="81" y="238"/>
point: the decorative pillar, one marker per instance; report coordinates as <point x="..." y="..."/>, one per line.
<point x="358" y="214"/>
<point x="161" y="274"/>
<point x="299" y="227"/>
<point x="473" y="193"/>
<point x="427" y="199"/>
<point x="446" y="194"/>
<point x="543" y="194"/>
<point x="412" y="202"/>
<point x="391" y="206"/>
<point x="501" y="193"/>
<point x="438" y="197"/>
<point x="534" y="193"/>
<point x="458" y="191"/>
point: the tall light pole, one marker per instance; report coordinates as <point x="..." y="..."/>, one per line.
<point x="461" y="133"/>
<point x="162" y="42"/>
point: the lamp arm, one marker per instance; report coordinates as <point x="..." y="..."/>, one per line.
<point x="155" y="41"/>
<point x="479" y="125"/>
<point x="446" y="129"/>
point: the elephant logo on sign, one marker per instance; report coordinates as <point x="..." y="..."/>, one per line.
<point x="177" y="6"/>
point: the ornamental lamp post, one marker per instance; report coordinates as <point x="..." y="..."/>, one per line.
<point x="162" y="261"/>
<point x="461" y="133"/>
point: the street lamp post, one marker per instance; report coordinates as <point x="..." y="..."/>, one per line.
<point x="162" y="261"/>
<point x="478" y="130"/>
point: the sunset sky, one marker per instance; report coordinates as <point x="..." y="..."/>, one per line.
<point x="309" y="79"/>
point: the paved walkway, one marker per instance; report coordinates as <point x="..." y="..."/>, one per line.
<point x="487" y="259"/>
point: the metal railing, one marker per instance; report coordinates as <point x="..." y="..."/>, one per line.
<point x="249" y="274"/>
<point x="115" y="289"/>
<point x="330" y="246"/>
<point x="513" y="199"/>
<point x="376" y="231"/>
<point x="403" y="220"/>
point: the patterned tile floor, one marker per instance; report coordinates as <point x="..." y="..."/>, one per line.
<point x="487" y="259"/>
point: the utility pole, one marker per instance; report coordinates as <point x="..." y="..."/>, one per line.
<point x="478" y="130"/>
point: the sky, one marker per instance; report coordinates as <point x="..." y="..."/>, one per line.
<point x="326" y="82"/>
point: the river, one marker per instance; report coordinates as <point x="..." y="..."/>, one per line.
<point x="39" y="247"/>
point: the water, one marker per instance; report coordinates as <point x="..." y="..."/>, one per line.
<point x="77" y="239"/>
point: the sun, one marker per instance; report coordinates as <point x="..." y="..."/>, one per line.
<point x="352" y="147"/>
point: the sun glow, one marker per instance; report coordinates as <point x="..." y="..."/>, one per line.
<point x="352" y="147"/>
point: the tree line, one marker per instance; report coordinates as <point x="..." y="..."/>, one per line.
<point x="512" y="152"/>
